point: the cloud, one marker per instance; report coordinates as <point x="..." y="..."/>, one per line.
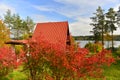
<point x="79" y="11"/>
<point x="116" y="7"/>
<point x="41" y="18"/>
<point x="86" y="2"/>
<point x="75" y="8"/>
<point x="81" y="27"/>
<point x="43" y="8"/>
<point x="4" y="8"/>
<point x="78" y="2"/>
<point x="81" y="24"/>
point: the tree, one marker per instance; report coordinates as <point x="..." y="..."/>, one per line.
<point x="30" y="25"/>
<point x="98" y="23"/>
<point x="118" y="17"/>
<point x="19" y="27"/>
<point x="4" y="34"/>
<point x="110" y="22"/>
<point x="27" y="27"/>
<point x="8" y="19"/>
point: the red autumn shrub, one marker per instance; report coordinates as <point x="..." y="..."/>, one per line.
<point x="8" y="60"/>
<point x="78" y="63"/>
<point x="35" y="60"/>
<point x="44" y="60"/>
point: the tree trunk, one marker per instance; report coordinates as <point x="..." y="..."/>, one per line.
<point x="112" y="42"/>
<point x="102" y="37"/>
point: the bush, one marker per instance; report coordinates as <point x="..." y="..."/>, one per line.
<point x="117" y="51"/>
<point x="8" y="61"/>
<point x="46" y="61"/>
<point x="18" y="49"/>
<point x="94" y="47"/>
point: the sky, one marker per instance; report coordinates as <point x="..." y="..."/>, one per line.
<point x="76" y="12"/>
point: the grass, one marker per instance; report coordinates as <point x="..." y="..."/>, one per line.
<point x="113" y="72"/>
<point x="15" y="75"/>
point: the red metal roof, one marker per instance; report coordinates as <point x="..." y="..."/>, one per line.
<point x="52" y="32"/>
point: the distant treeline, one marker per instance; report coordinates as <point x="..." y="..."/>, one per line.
<point x="91" y="37"/>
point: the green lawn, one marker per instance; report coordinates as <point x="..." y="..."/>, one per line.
<point x="17" y="74"/>
<point x="113" y="72"/>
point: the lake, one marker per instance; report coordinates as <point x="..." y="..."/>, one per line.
<point x="107" y="44"/>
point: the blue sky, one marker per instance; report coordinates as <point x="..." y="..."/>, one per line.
<point x="76" y="12"/>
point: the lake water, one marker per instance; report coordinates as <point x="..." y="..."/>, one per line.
<point x="107" y="44"/>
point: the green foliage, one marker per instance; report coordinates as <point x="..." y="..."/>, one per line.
<point x="26" y="36"/>
<point x="18" y="26"/>
<point x="89" y="46"/>
<point x="18" y="48"/>
<point x="98" y="24"/>
<point x="117" y="51"/>
<point x="8" y="19"/>
<point x="110" y="22"/>
<point x="103" y="23"/>
<point x="28" y="25"/>
<point x="94" y="47"/>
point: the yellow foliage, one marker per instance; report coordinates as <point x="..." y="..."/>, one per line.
<point x="4" y="34"/>
<point x="107" y="37"/>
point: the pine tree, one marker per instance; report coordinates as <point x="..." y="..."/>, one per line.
<point x="110" y="22"/>
<point x="98" y="25"/>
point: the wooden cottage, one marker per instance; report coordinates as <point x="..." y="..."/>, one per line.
<point x="52" y="32"/>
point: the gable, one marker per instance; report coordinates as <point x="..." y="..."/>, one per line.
<point x="52" y="32"/>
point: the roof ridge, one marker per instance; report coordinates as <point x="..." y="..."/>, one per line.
<point x="53" y="22"/>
